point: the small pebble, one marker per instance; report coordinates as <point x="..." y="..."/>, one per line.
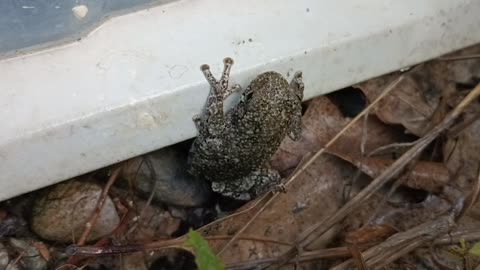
<point x="80" y="11"/>
<point x="3" y="257"/>
<point x="32" y="259"/>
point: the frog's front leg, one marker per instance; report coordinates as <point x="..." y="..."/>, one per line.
<point x="297" y="86"/>
<point x="248" y="187"/>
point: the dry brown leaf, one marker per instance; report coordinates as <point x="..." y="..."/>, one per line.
<point x="429" y="176"/>
<point x="43" y="250"/>
<point x="378" y="212"/>
<point x="414" y="101"/>
<point x="462" y="147"/>
<point x="321" y="122"/>
<point x="310" y="198"/>
<point x="461" y="154"/>
<point x="466" y="71"/>
<point x="370" y="234"/>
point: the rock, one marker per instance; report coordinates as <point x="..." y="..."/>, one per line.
<point x="32" y="259"/>
<point x="12" y="225"/>
<point x="3" y="257"/>
<point x="61" y="212"/>
<point x="173" y="184"/>
<point x="5" y="260"/>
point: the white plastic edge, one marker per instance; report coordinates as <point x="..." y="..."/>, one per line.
<point x="133" y="85"/>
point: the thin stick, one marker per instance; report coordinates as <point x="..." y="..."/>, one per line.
<point x="98" y="208"/>
<point x="119" y="249"/>
<point x="153" y="176"/>
<point x="341" y="252"/>
<point x="462" y="57"/>
<point x="473" y="198"/>
<point x="404" y="242"/>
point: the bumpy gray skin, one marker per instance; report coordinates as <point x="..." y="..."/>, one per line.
<point x="231" y="149"/>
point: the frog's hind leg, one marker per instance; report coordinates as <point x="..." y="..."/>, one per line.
<point x="248" y="187"/>
<point x="219" y="90"/>
<point x="297" y="86"/>
<point x="214" y="118"/>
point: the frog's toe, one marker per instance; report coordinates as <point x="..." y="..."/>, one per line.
<point x="204" y="67"/>
<point x="227" y="66"/>
<point x="235" y="190"/>
<point x="233" y="89"/>
<point x="237" y="87"/>
<point x="197" y="120"/>
<point x="250" y="186"/>
<point x="297" y="84"/>
<point x="196" y="117"/>
<point x="208" y="75"/>
<point x="228" y="61"/>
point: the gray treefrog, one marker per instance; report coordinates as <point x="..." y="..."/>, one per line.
<point x="232" y="148"/>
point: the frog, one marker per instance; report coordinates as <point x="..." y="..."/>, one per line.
<point x="233" y="148"/>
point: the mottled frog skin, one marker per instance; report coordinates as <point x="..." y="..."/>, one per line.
<point x="232" y="148"/>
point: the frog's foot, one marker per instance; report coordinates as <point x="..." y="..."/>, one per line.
<point x="227" y="66"/>
<point x="251" y="186"/>
<point x="220" y="88"/>
<point x="297" y="85"/>
<point x="197" y="119"/>
<point x="280" y="188"/>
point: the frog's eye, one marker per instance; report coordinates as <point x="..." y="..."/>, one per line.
<point x="248" y="95"/>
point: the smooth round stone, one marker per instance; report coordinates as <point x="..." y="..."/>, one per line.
<point x="60" y="213"/>
<point x="168" y="177"/>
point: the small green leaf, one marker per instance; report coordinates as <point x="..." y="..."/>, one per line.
<point x="462" y="244"/>
<point x="204" y="257"/>
<point x="475" y="250"/>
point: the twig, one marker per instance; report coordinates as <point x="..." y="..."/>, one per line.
<point x="357" y="256"/>
<point x="98" y="208"/>
<point x="341" y="252"/>
<point x="320" y="228"/>
<point x="172" y="243"/>
<point x="473" y="197"/>
<point x="16" y="260"/>
<point x="389" y="148"/>
<point x="69" y="267"/>
<point x="402" y="243"/>
<point x="456" y="236"/>
<point x="457" y="58"/>
<point x="153" y="176"/>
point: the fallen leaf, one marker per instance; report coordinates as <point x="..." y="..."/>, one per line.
<point x="314" y="195"/>
<point x="43" y="250"/>
<point x="429" y="176"/>
<point x="370" y="234"/>
<point x="320" y="123"/>
<point x="414" y="100"/>
<point x="461" y="152"/>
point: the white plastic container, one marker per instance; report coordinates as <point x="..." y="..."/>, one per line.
<point x="133" y="84"/>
